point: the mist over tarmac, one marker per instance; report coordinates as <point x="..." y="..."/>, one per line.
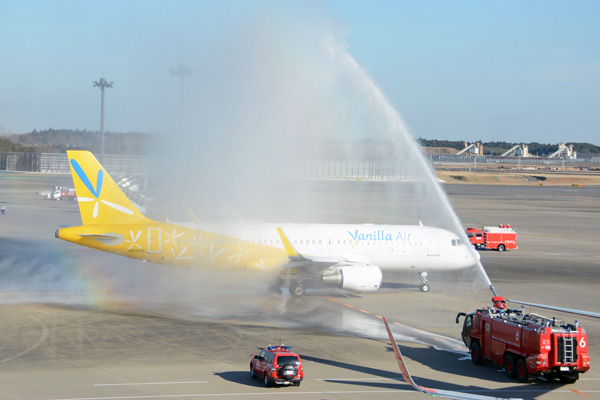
<point x="266" y="100"/>
<point x="275" y="95"/>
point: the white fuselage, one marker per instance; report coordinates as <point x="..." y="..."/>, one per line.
<point x="391" y="247"/>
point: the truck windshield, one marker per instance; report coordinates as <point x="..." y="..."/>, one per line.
<point x="284" y="360"/>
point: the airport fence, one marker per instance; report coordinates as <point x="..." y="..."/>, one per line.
<point x="380" y="170"/>
<point x="58" y="163"/>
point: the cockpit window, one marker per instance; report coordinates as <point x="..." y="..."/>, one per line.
<point x="456" y="242"/>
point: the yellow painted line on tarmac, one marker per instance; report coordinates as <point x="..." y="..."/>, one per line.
<point x="398" y="323"/>
<point x="418" y="331"/>
<point x="348" y="305"/>
<point x="440" y="339"/>
<point x="366" y="312"/>
<point x="379" y="316"/>
<point x="332" y="299"/>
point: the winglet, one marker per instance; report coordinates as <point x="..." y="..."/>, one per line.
<point x="432" y="392"/>
<point x="291" y="252"/>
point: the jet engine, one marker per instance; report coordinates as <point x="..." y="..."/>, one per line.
<point x="359" y="278"/>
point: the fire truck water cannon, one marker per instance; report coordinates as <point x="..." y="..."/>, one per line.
<point x="527" y="345"/>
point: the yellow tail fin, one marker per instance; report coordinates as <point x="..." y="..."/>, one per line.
<point x="101" y="201"/>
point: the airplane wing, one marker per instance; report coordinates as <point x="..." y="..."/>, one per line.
<point x="314" y="262"/>
<point x="432" y="392"/>
<point x="567" y="310"/>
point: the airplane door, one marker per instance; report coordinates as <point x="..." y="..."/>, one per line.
<point x="433" y="247"/>
<point x="154" y="240"/>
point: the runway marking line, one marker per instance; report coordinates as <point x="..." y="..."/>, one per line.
<point x="147" y="383"/>
<point x="360" y="379"/>
<point x="281" y="394"/>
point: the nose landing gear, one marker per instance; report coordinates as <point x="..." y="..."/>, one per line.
<point x="423" y="286"/>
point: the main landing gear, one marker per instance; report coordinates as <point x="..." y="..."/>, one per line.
<point x="297" y="290"/>
<point x="423" y="285"/>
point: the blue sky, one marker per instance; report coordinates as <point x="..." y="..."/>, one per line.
<point x="517" y="71"/>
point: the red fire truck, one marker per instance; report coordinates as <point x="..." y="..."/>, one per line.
<point x="501" y="237"/>
<point x="277" y="365"/>
<point x="527" y="345"/>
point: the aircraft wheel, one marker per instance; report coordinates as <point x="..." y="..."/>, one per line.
<point x="521" y="371"/>
<point x="297" y="290"/>
<point x="424" y="288"/>
<point x="509" y="366"/>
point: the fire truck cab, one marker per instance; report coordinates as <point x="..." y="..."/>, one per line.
<point x="527" y="345"/>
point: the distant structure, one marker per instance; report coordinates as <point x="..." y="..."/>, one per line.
<point x="519" y="150"/>
<point x="181" y="72"/>
<point x="102" y="84"/>
<point x="564" y="151"/>
<point x="474" y="149"/>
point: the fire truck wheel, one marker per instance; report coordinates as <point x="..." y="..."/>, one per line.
<point x="296" y="383"/>
<point x="476" y="353"/>
<point x="509" y="366"/>
<point x="521" y="371"/>
<point x="569" y="378"/>
<point x="501" y="247"/>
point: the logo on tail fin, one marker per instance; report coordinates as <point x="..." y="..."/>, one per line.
<point x="95" y="191"/>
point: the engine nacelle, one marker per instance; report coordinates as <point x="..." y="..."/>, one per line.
<point x="360" y="278"/>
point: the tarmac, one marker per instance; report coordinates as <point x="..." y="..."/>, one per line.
<point x="80" y="324"/>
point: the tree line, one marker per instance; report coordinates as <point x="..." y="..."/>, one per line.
<point x="59" y="140"/>
<point x="136" y="143"/>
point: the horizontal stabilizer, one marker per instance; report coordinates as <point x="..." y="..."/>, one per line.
<point x="109" y="239"/>
<point x="432" y="392"/>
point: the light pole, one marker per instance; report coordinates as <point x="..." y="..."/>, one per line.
<point x="181" y="72"/>
<point x="102" y="84"/>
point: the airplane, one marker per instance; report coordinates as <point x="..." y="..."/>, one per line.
<point x="350" y="256"/>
